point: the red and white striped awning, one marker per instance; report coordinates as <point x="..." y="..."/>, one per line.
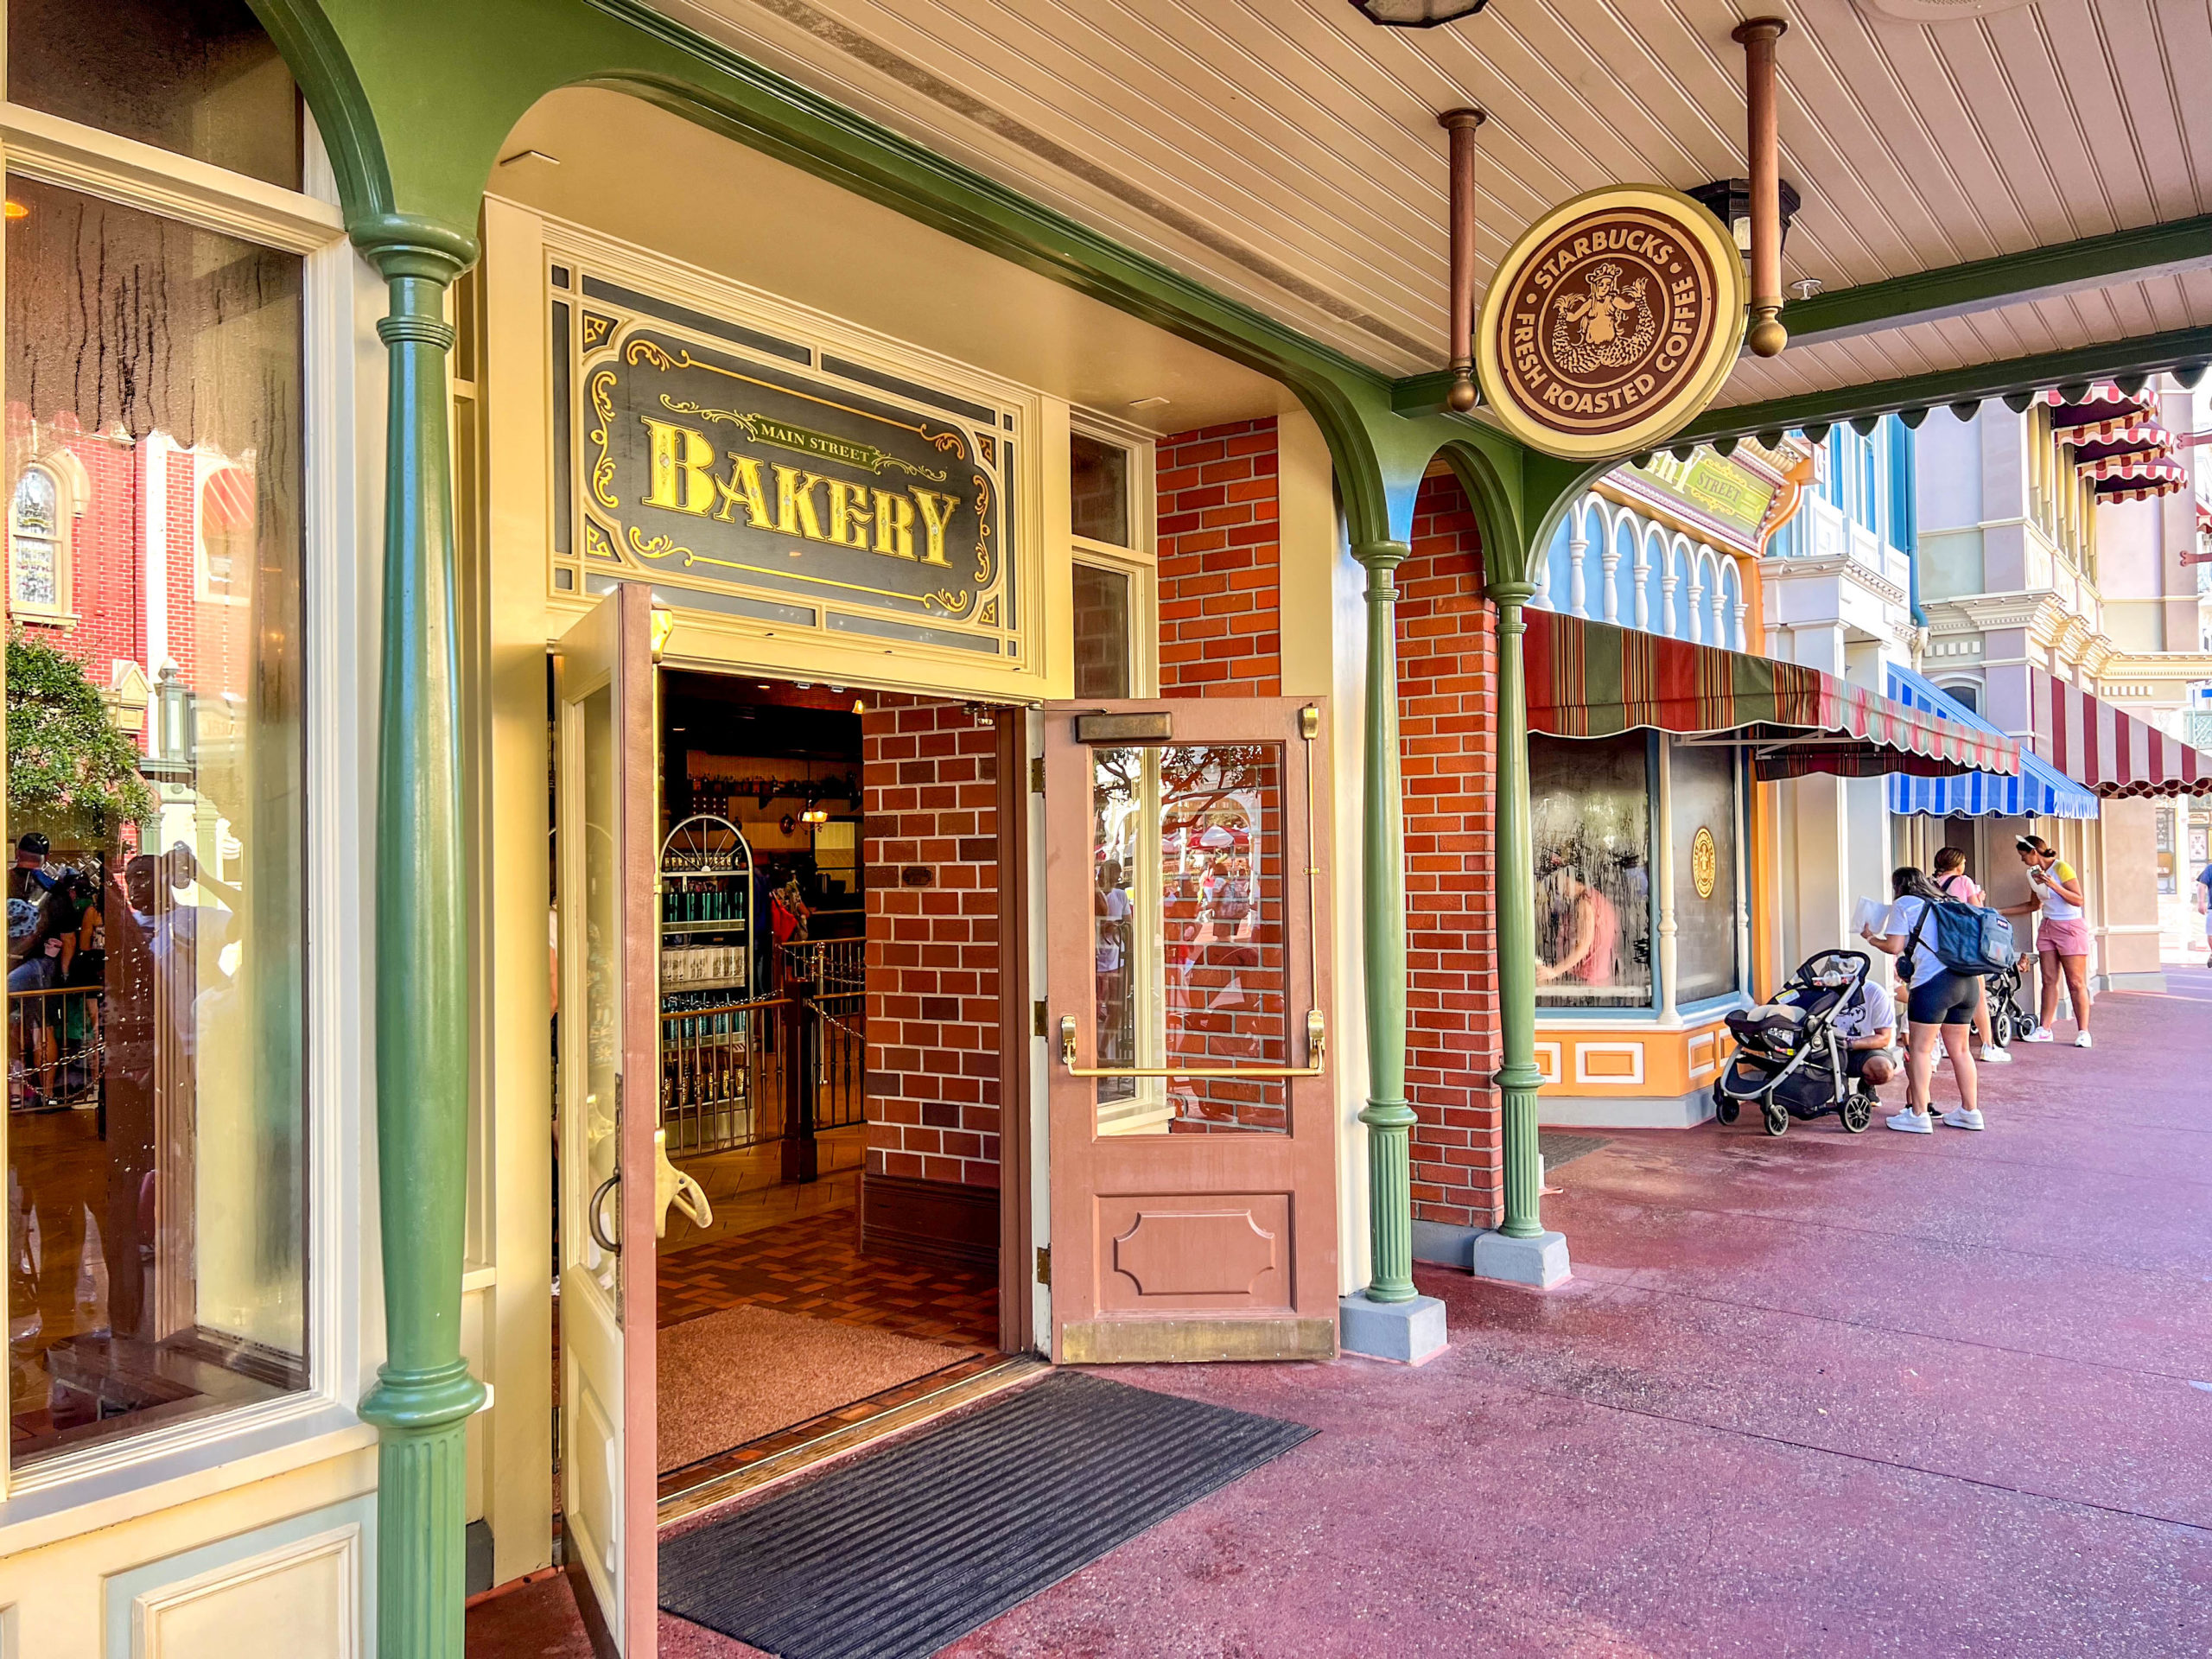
<point x="2114" y="753"/>
<point x="2130" y="427"/>
<point x="2103" y="395"/>
<point x="2135" y="478"/>
<point x="226" y="501"/>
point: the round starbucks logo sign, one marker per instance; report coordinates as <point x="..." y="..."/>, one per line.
<point x="1611" y="322"/>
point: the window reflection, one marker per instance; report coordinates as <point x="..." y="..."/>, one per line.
<point x="1590" y="819"/>
<point x="1191" y="950"/>
<point x="156" y="1134"/>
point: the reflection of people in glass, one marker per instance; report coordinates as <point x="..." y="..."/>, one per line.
<point x="1110" y="907"/>
<point x="1585" y="927"/>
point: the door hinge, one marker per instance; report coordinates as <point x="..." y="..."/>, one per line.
<point x="1044" y="1265"/>
<point x="1037" y="775"/>
<point x="1036" y="1013"/>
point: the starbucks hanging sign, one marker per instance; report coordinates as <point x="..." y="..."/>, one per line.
<point x="1610" y="323"/>
<point x="777" y="481"/>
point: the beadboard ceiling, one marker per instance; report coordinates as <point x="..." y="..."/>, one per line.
<point x="1286" y="152"/>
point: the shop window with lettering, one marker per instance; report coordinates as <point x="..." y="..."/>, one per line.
<point x="1590" y="819"/>
<point x="1701" y="833"/>
<point x="38" y="559"/>
<point x="157" y="1122"/>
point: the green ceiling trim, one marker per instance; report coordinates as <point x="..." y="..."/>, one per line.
<point x="2142" y="354"/>
<point x="2008" y="279"/>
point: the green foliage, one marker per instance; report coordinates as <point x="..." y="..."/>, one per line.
<point x="70" y="772"/>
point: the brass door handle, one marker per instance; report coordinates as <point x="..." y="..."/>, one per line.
<point x="1317" y="1043"/>
<point x="592" y="1214"/>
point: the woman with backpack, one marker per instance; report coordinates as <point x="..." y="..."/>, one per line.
<point x="2062" y="937"/>
<point x="1953" y="882"/>
<point x="1939" y="1006"/>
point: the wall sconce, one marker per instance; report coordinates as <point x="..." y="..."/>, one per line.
<point x="814" y="815"/>
<point x="1417" y="14"/>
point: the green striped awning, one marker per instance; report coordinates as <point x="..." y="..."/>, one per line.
<point x="1591" y="679"/>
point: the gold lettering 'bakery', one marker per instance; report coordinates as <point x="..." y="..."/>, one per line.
<point x="684" y="474"/>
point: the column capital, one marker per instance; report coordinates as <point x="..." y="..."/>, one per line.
<point x="1384" y="556"/>
<point x="1515" y="594"/>
<point x="408" y="245"/>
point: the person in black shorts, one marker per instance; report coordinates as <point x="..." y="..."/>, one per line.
<point x="1939" y="1006"/>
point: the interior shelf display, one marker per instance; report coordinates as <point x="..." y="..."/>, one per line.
<point x="706" y="968"/>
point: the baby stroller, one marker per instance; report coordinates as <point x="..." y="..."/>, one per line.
<point x="2008" y="1021"/>
<point x="1790" y="1058"/>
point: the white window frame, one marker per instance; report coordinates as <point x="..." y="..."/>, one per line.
<point x="68" y="502"/>
<point x="1138" y="562"/>
<point x="113" y="1481"/>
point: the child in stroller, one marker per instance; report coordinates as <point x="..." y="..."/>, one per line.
<point x="1792" y="1059"/>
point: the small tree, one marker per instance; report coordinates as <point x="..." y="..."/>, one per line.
<point x="70" y="772"/>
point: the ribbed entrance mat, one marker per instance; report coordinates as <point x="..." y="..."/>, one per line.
<point x="1559" y="1149"/>
<point x="910" y="1547"/>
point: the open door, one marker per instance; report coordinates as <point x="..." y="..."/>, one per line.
<point x="609" y="1103"/>
<point x="1193" y="1140"/>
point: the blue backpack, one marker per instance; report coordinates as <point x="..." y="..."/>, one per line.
<point x="1968" y="939"/>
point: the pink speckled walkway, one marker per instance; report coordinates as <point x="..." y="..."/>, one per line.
<point x="1823" y="1394"/>
<point x="1819" y="1394"/>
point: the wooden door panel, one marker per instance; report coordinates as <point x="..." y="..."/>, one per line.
<point x="1193" y="1132"/>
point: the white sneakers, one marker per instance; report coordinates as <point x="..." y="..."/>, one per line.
<point x="1911" y="1122"/>
<point x="1993" y="1055"/>
<point x="2038" y="1035"/>
<point x="2082" y="1041"/>
<point x="1960" y="1118"/>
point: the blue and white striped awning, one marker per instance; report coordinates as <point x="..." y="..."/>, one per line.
<point x="2040" y="791"/>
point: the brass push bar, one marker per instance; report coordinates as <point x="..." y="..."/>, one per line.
<point x="1317" y="1044"/>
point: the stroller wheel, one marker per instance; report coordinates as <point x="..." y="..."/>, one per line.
<point x="1857" y="1112"/>
<point x="1725" y="1107"/>
<point x="1776" y="1117"/>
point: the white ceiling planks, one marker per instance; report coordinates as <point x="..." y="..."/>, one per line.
<point x="1286" y="152"/>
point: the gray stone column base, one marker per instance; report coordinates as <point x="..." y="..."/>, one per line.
<point x="1407" y="1332"/>
<point x="1538" y="1263"/>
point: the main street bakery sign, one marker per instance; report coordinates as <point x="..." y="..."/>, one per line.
<point x="1610" y="323"/>
<point x="783" y="482"/>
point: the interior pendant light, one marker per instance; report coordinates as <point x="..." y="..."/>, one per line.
<point x="1417" y="14"/>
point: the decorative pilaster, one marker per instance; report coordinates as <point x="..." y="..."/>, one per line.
<point x="424" y="1394"/>
<point x="1389" y="1118"/>
<point x="1518" y="1077"/>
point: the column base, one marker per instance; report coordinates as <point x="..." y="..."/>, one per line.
<point x="1405" y="1333"/>
<point x="1539" y="1262"/>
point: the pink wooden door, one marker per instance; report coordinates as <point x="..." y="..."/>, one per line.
<point x="1193" y="1140"/>
<point x="609" y="1061"/>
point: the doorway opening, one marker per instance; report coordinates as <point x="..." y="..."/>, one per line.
<point x="831" y="1056"/>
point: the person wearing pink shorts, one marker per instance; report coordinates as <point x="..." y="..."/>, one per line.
<point x="2061" y="936"/>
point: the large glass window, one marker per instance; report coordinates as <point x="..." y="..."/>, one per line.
<point x="198" y="77"/>
<point x="1590" y="816"/>
<point x="1701" y="803"/>
<point x="1098" y="490"/>
<point x="158" y="1127"/>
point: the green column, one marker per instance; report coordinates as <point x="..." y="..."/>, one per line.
<point x="1389" y="1120"/>
<point x="1518" y="1077"/>
<point x="423" y="1396"/>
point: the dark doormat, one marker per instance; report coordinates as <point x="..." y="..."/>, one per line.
<point x="913" y="1547"/>
<point x="1558" y="1149"/>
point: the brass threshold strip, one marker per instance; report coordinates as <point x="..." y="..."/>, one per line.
<point x="1009" y="1372"/>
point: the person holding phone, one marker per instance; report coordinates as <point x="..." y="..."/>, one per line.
<point x="2062" y="937"/>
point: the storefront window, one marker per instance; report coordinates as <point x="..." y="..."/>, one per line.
<point x="1701" y="789"/>
<point x="1102" y="632"/>
<point x="1590" y="818"/>
<point x="198" y="77"/>
<point x="157" y="1117"/>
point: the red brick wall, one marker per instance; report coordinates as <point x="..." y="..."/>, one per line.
<point x="1447" y="710"/>
<point x="929" y="773"/>
<point x="1219" y="550"/>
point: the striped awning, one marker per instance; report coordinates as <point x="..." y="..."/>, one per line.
<point x="2114" y="754"/>
<point x="1591" y="679"/>
<point x="2039" y="791"/>
<point x="2135" y="478"/>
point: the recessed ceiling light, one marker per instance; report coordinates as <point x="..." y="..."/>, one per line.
<point x="1147" y="403"/>
<point x="521" y="156"/>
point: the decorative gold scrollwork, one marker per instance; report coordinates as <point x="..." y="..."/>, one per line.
<point x="602" y="465"/>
